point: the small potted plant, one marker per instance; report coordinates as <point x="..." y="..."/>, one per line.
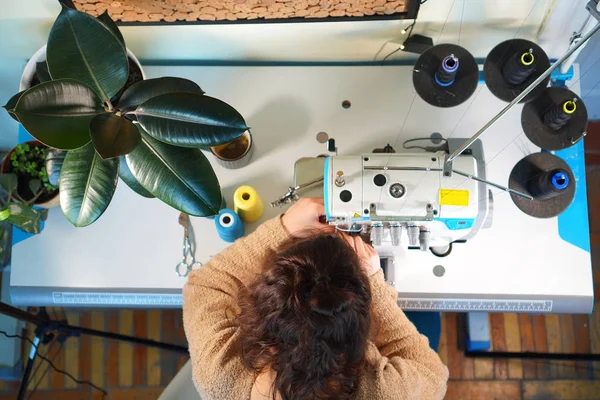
<point x="27" y="161"/>
<point x="18" y="212"/>
<point x="149" y="136"/>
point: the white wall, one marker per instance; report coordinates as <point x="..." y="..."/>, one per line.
<point x="479" y="24"/>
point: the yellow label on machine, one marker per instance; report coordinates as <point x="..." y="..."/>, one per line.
<point x="449" y="197"/>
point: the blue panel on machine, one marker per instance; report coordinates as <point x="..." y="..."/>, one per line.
<point x="455" y="224"/>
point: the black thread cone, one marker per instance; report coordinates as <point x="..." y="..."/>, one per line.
<point x="543" y="135"/>
<point x="495" y="62"/>
<point x="531" y="175"/>
<point x="465" y="80"/>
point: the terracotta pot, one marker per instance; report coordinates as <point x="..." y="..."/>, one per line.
<point x="5" y="168"/>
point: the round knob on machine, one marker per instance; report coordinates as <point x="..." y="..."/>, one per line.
<point x="339" y="179"/>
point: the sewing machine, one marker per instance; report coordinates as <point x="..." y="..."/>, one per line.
<point x="400" y="200"/>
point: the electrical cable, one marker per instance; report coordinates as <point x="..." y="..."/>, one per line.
<point x="57" y="338"/>
<point x="430" y="149"/>
<point x="52" y="359"/>
<point x="410" y="31"/>
<point x="80" y="382"/>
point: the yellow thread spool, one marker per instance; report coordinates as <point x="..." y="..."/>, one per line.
<point x="247" y="204"/>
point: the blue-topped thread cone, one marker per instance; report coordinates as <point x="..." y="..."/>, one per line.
<point x="446" y="72"/>
<point x="549" y="184"/>
<point x="229" y="225"/>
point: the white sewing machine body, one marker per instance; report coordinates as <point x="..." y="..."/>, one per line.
<point x="404" y="199"/>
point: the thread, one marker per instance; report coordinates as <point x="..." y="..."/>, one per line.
<point x="247" y="204"/>
<point x="549" y="184"/>
<point x="229" y="225"/>
<point x="559" y="114"/>
<point x="519" y="67"/>
<point x="446" y="71"/>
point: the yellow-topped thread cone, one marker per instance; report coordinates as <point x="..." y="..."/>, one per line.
<point x="247" y="204"/>
<point x="569" y="107"/>
<point x="527" y="58"/>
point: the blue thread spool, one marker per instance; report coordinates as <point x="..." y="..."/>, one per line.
<point x="229" y="225"/>
<point x="446" y="72"/>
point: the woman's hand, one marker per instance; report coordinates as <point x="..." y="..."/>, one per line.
<point x="305" y="215"/>
<point x="371" y="263"/>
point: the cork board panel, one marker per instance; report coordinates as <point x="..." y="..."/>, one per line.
<point x="172" y="11"/>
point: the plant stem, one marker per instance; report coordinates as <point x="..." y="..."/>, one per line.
<point x="18" y="198"/>
<point x="34" y="198"/>
<point x="109" y="105"/>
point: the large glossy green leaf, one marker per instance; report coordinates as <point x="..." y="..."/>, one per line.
<point x="12" y="102"/>
<point x="87" y="185"/>
<point x="150" y="88"/>
<point x="127" y="177"/>
<point x="82" y="48"/>
<point x="24" y="217"/>
<point x="190" y="120"/>
<point x="181" y="177"/>
<point x="110" y="24"/>
<point x="54" y="162"/>
<point x="58" y="113"/>
<point x="41" y="69"/>
<point x="113" y="136"/>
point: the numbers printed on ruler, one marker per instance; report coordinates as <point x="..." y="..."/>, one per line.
<point x="476" y="305"/>
<point x="121" y="299"/>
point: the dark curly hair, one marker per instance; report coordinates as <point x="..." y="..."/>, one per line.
<point x="307" y="318"/>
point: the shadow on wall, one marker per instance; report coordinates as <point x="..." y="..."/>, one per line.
<point x="281" y="130"/>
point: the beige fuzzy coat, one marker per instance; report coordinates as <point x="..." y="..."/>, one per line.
<point x="403" y="366"/>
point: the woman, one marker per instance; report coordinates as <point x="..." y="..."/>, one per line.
<point x="295" y="312"/>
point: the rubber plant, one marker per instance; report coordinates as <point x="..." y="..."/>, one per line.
<point x="150" y="137"/>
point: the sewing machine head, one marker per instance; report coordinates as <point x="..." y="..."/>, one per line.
<point x="399" y="199"/>
<point x="403" y="199"/>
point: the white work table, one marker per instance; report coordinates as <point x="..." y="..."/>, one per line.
<point x="127" y="258"/>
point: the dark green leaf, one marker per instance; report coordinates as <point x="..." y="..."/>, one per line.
<point x="35" y="185"/>
<point x="82" y="48"/>
<point x="127" y="177"/>
<point x="24" y="217"/>
<point x="181" y="177"/>
<point x="190" y="120"/>
<point x="113" y="136"/>
<point x="9" y="182"/>
<point x="110" y="24"/>
<point x="87" y="185"/>
<point x="41" y="69"/>
<point x="54" y="162"/>
<point x="12" y="102"/>
<point x="43" y="213"/>
<point x="150" y="88"/>
<point x="58" y="113"/>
